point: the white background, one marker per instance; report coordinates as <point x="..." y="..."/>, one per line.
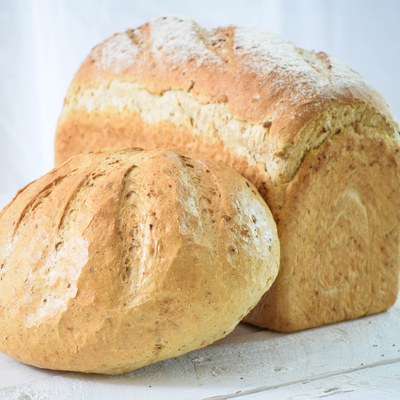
<point x="43" y="42"/>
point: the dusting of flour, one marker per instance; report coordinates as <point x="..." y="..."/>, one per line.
<point x="118" y="53"/>
<point x="179" y="41"/>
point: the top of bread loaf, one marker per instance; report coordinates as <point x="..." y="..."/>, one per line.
<point x="260" y="78"/>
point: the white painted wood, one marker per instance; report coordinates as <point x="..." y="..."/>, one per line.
<point x="375" y="383"/>
<point x="251" y="364"/>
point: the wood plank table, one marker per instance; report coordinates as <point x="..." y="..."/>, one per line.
<point x="350" y="360"/>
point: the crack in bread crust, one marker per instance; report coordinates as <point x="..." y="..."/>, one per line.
<point x="214" y="122"/>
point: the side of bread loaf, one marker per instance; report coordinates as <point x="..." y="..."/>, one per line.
<point x="117" y="260"/>
<point x="319" y="144"/>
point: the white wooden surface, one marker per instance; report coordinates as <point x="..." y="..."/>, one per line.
<point x="351" y="360"/>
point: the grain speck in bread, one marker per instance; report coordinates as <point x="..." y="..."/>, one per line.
<point x="116" y="260"/>
<point x="320" y="145"/>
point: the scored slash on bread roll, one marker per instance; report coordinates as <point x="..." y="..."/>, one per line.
<point x="319" y="144"/>
<point x="116" y="260"/>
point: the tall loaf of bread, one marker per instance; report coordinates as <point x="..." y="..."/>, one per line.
<point x="319" y="144"/>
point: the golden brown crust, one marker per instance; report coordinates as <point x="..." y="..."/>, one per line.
<point x="260" y="77"/>
<point x="339" y="233"/>
<point x="265" y="108"/>
<point x="116" y="260"/>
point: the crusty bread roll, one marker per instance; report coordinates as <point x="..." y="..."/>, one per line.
<point x="117" y="260"/>
<point x="319" y="144"/>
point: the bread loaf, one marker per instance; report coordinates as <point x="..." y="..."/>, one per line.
<point x="319" y="144"/>
<point x="117" y="260"/>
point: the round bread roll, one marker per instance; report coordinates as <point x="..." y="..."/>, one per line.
<point x="116" y="260"/>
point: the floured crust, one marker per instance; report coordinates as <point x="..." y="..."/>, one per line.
<point x="261" y="78"/>
<point x="265" y="108"/>
<point x="116" y="260"/>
